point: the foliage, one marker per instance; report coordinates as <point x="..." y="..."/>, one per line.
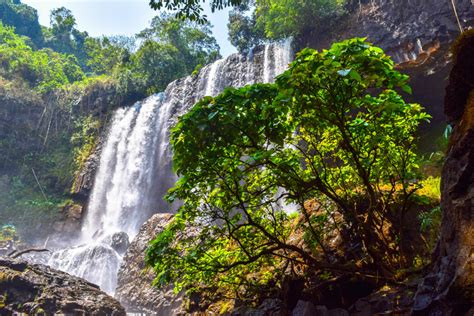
<point x="430" y="188"/>
<point x="63" y="37"/>
<point x="268" y="19"/>
<point x="23" y="18"/>
<point x="431" y="219"/>
<point x="24" y="207"/>
<point x="84" y="139"/>
<point x="243" y="31"/>
<point x="283" y="18"/>
<point x="43" y="69"/>
<point x="172" y="48"/>
<point x="104" y="56"/>
<point x="7" y="232"/>
<point x="62" y="23"/>
<point x="331" y="128"/>
<point x="192" y="9"/>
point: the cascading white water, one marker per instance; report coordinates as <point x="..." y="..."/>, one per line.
<point x="135" y="166"/>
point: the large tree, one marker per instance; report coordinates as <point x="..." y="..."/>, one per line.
<point x="23" y="17"/>
<point x="331" y="128"/>
<point x="173" y="48"/>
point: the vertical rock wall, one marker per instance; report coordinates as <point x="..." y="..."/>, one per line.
<point x="449" y="289"/>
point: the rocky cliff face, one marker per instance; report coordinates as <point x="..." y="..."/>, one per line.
<point x="36" y="289"/>
<point x="449" y="289"/>
<point x="417" y="34"/>
<point x="134" y="289"/>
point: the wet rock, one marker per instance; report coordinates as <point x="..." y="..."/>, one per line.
<point x="385" y="301"/>
<point x="32" y="288"/>
<point x="74" y="211"/>
<point x="119" y="242"/>
<point x="269" y="307"/>
<point x="338" y="312"/>
<point x="84" y="180"/>
<point x="70" y="221"/>
<point x="96" y="263"/>
<point x="134" y="289"/>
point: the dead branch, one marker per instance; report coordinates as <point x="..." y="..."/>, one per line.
<point x="15" y="254"/>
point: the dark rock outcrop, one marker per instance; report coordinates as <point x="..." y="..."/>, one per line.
<point x="119" y="242"/>
<point x="134" y="289"/>
<point x="84" y="179"/>
<point x="417" y="34"/>
<point x="71" y="219"/>
<point x="449" y="288"/>
<point x="32" y="289"/>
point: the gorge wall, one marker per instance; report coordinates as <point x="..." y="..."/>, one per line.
<point x="417" y="34"/>
<point x="449" y="288"/>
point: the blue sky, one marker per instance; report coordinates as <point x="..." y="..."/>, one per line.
<point x="127" y="17"/>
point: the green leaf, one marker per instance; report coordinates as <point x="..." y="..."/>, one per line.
<point x="407" y="89"/>
<point x="355" y="75"/>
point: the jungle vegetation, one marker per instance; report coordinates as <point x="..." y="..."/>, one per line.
<point x="59" y="85"/>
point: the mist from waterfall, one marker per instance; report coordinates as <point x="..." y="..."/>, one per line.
<point x="135" y="168"/>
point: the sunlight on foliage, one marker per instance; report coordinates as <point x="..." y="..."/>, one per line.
<point x="333" y="128"/>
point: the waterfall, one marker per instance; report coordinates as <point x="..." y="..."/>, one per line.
<point x="125" y="176"/>
<point x="135" y="166"/>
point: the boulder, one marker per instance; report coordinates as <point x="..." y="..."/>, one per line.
<point x="33" y="289"/>
<point x="119" y="242"/>
<point x="304" y="308"/>
<point x="134" y="289"/>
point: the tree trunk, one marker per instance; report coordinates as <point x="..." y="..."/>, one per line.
<point x="449" y="288"/>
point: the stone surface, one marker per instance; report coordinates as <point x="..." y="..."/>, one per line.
<point x="269" y="307"/>
<point x="31" y="289"/>
<point x="385" y="301"/>
<point x="119" y="242"/>
<point x="305" y="308"/>
<point x="134" y="289"/>
<point x="71" y="220"/>
<point x="84" y="180"/>
<point x="417" y="34"/>
<point x="449" y="288"/>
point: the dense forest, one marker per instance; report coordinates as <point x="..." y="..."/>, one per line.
<point x="319" y="192"/>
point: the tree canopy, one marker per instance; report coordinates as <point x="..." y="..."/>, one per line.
<point x="253" y="21"/>
<point x="169" y="48"/>
<point x="23" y="17"/>
<point x="332" y="128"/>
<point x="173" y="48"/>
<point x="44" y="69"/>
<point x="192" y="9"/>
